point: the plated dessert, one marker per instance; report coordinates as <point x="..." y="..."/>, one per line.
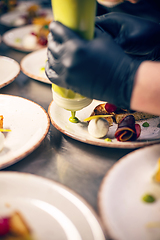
<point x="28" y="38"/>
<point x="127" y="130"/>
<point x="128" y="133"/>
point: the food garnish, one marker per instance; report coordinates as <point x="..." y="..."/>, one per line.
<point x="145" y="124"/>
<point x="96" y="117"/>
<point x="2" y="137"/>
<point x="38" y="36"/>
<point x="148" y="198"/>
<point x="1" y="121"/>
<point x="33" y="15"/>
<point x="73" y="117"/>
<point x="108" y="140"/>
<point x="98" y="127"/>
<point x="110" y="107"/>
<point x="118" y="113"/>
<point x="5" y="130"/>
<point x="156" y="176"/>
<point x="127" y="129"/>
<point x="14" y="227"/>
<point x="153" y="225"/>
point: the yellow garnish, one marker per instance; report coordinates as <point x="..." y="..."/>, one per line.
<point x="5" y="130"/>
<point x="1" y="121"/>
<point x="157" y="174"/>
<point x="18" y="40"/>
<point x="153" y="225"/>
<point x="96" y="116"/>
<point x="108" y="140"/>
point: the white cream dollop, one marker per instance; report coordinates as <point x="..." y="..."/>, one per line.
<point x="19" y="21"/>
<point x="2" y="138"/>
<point x="98" y="127"/>
<point x="29" y="41"/>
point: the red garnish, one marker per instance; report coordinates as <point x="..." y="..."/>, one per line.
<point x="127" y="130"/>
<point x="4" y="226"/>
<point x="138" y="129"/>
<point x="42" y="14"/>
<point x="42" y="41"/>
<point x="110" y="107"/>
<point x="33" y="33"/>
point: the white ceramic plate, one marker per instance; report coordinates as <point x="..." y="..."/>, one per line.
<point x="124" y="214"/>
<point x="33" y="65"/>
<point x="29" y="124"/>
<point x="9" y="70"/>
<point x="14" y="38"/>
<point x="79" y="131"/>
<point x="51" y="210"/>
<point x="23" y="5"/>
<point x="8" y="19"/>
<point x="109" y="3"/>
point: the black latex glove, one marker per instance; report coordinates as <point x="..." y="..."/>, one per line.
<point x="98" y="69"/>
<point x="135" y="35"/>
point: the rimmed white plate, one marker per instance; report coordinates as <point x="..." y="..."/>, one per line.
<point x="8" y="19"/>
<point x="33" y="65"/>
<point x="29" y="124"/>
<point x="50" y="209"/>
<point x="79" y="131"/>
<point x="23" y="5"/>
<point x="14" y="38"/>
<point x="9" y="70"/>
<point x="109" y="3"/>
<point x="124" y="214"/>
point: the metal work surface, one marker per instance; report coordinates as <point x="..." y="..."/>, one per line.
<point x="78" y="166"/>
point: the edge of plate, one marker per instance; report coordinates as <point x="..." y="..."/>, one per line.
<point x="16" y="47"/>
<point x="42" y="79"/>
<point x="108" y="231"/>
<point x="72" y="192"/>
<point x="18" y="72"/>
<point x="18" y="158"/>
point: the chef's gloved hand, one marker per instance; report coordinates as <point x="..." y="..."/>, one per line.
<point x="98" y="69"/>
<point x="137" y="36"/>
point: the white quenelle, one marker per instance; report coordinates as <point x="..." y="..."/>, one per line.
<point x="2" y="138"/>
<point x="98" y="127"/>
<point x="29" y="41"/>
<point x="19" y="21"/>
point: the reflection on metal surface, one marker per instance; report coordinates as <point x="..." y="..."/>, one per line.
<point x="69" y="228"/>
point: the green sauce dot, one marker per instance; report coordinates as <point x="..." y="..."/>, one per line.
<point x="46" y="27"/>
<point x="108" y="140"/>
<point x="145" y="124"/>
<point x="148" y="198"/>
<point x="73" y="119"/>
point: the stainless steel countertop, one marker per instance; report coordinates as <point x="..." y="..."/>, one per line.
<point x="78" y="166"/>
